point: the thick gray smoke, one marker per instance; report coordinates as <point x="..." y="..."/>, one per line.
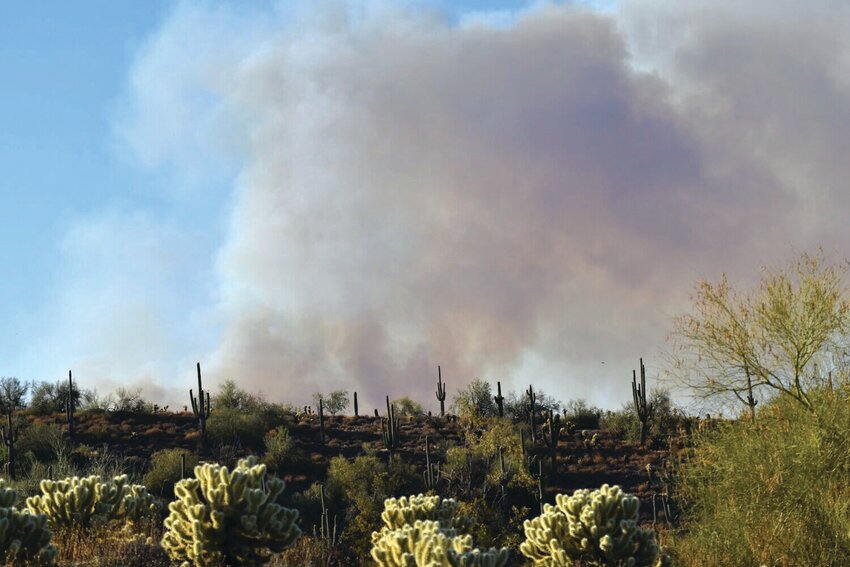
<point x="517" y="203"/>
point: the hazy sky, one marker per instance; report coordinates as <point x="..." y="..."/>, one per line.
<point x="316" y="195"/>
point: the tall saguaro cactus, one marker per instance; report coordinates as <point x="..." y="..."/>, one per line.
<point x="69" y="407"/>
<point x="499" y="399"/>
<point x="644" y="410"/>
<point x="322" y="420"/>
<point x="441" y="392"/>
<point x="9" y="436"/>
<point x="201" y="406"/>
<point x="550" y="435"/>
<point x="390" y="429"/>
<point x="532" y="398"/>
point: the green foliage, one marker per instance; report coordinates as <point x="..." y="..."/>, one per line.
<point x="47" y="398"/>
<point x="164" y="471"/>
<point x="333" y="403"/>
<point x="581" y="415"/>
<point x="130" y="401"/>
<point x="406" y="406"/>
<point x="232" y="396"/>
<point x="475" y="401"/>
<point x="281" y="451"/>
<point x="24" y="537"/>
<point x="591" y="528"/>
<point x="357" y="488"/>
<point x="228" y="516"/>
<point x="43" y="441"/>
<point x="81" y="502"/>
<point x="772" y="492"/>
<point x="516" y="405"/>
<point x="12" y="394"/>
<point x="233" y="426"/>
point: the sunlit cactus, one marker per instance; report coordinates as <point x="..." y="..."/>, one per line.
<point x="406" y="510"/>
<point x="80" y="502"/>
<point x="229" y="517"/>
<point x="591" y="528"/>
<point x="24" y="537"/>
<point x="427" y="543"/>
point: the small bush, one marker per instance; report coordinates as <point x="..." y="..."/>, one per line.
<point x="581" y="415"/>
<point x="281" y="452"/>
<point x="406" y="406"/>
<point x="164" y="472"/>
<point x="231" y="426"/>
<point x="333" y="403"/>
<point x="475" y="401"/>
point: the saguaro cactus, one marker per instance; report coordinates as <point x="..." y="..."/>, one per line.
<point x="228" y="517"/>
<point x="390" y="429"/>
<point x="9" y="436"/>
<point x="322" y="420"/>
<point x="432" y="470"/>
<point x="551" y="433"/>
<point x="500" y="400"/>
<point x="356" y="413"/>
<point x="441" y="392"/>
<point x="200" y="406"/>
<point x="69" y="406"/>
<point x="24" y="537"/>
<point x="643" y="410"/>
<point x="503" y="484"/>
<point x="532" y="398"/>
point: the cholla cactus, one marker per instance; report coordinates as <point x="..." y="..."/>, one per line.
<point x="138" y="505"/>
<point x="24" y="537"/>
<point x="426" y="543"/>
<point x="406" y="510"/>
<point x="228" y="516"/>
<point x="80" y="502"/>
<point x="591" y="528"/>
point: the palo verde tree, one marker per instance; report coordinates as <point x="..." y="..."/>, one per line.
<point x="770" y="339"/>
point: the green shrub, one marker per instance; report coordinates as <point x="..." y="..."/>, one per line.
<point x="356" y="490"/>
<point x="333" y="403"/>
<point x="581" y="415"/>
<point x="230" y="517"/>
<point x="475" y="401"/>
<point x="406" y="406"/>
<point x="772" y="492"/>
<point x="281" y="452"/>
<point x="164" y="471"/>
<point x="232" y="426"/>
<point x="42" y="442"/>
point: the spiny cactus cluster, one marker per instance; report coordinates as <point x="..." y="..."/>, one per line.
<point x="24" y="537"/>
<point x="229" y="517"/>
<point x="591" y="528"/>
<point x="81" y="502"/>
<point x="427" y="543"/>
<point x="425" y="531"/>
<point x="407" y="510"/>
